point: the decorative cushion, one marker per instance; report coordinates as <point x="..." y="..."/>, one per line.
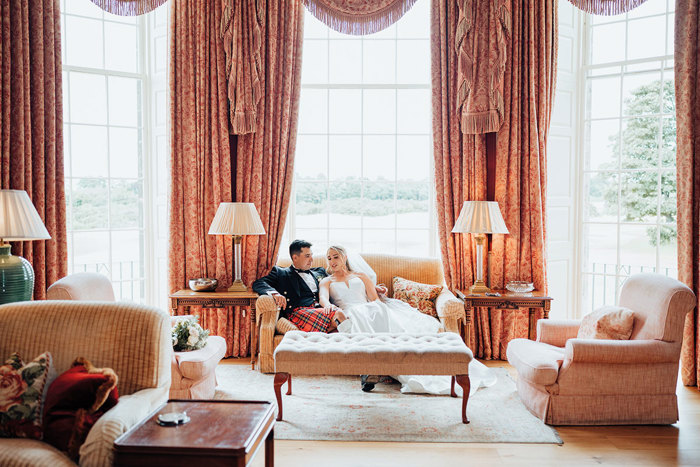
<point x="75" y="401"/>
<point x="420" y="296"/>
<point x="607" y="322"/>
<point x="22" y="392"/>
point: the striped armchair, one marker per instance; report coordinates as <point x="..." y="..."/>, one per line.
<point x="133" y="340"/>
<point x="425" y="270"/>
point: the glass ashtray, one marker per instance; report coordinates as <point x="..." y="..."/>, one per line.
<point x="520" y="286"/>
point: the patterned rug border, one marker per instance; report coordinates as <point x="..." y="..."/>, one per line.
<point x="311" y="394"/>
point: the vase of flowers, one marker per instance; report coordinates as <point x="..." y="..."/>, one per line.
<point x="189" y="335"/>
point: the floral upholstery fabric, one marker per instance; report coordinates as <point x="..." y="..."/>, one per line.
<point x="607" y="322"/>
<point x="22" y="391"/>
<point x="419" y="296"/>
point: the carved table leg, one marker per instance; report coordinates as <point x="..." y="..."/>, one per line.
<point x="463" y="381"/>
<point x="289" y="386"/>
<point x="452" y="387"/>
<point x="280" y="378"/>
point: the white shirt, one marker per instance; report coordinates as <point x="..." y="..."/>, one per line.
<point x="309" y="279"/>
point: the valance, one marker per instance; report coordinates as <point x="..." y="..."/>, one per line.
<point x="241" y="29"/>
<point x="128" y="7"/>
<point x="480" y="42"/>
<point x="358" y="17"/>
<point x="606" y="7"/>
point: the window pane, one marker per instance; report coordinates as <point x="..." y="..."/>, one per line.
<point x="413" y="112"/>
<point x="379" y="111"/>
<point x="379" y="205"/>
<point x="600" y="250"/>
<point x="346" y="204"/>
<point x="311" y="205"/>
<point x="84" y="42"/>
<point x="379" y="241"/>
<point x="315" y="69"/>
<point x="126" y="204"/>
<point x="88" y="151"/>
<point x="605" y="97"/>
<point x="379" y="158"/>
<point x="311" y="157"/>
<point x="602" y="194"/>
<point x="646" y="37"/>
<point x="602" y="145"/>
<point x="88" y="98"/>
<point x="637" y="247"/>
<point x="124" y="101"/>
<point x="378" y="61"/>
<point x="640" y="200"/>
<point x="413" y="24"/>
<point x="413" y="205"/>
<point x="413" y="61"/>
<point x="345" y="111"/>
<point x="121" y="47"/>
<point x="414" y="154"/>
<point x="89" y="199"/>
<point x="91" y="252"/>
<point x="345" y="157"/>
<point x="345" y="61"/>
<point x="640" y="142"/>
<point x="412" y="242"/>
<point x="640" y="94"/>
<point x="608" y="43"/>
<point x="124" y="153"/>
<point x="313" y="116"/>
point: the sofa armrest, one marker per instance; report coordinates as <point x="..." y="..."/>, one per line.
<point x="621" y="351"/>
<point x="267" y="314"/>
<point x="557" y="331"/>
<point x="98" y="448"/>
<point x="450" y="310"/>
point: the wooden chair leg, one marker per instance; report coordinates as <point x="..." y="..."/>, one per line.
<point x="463" y="381"/>
<point x="289" y="386"/>
<point x="280" y="378"/>
<point x="452" y="388"/>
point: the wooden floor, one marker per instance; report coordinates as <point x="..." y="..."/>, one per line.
<point x="677" y="444"/>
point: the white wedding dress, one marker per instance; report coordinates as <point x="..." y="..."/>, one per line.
<point x="395" y="316"/>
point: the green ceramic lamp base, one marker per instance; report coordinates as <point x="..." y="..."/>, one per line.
<point x="16" y="277"/>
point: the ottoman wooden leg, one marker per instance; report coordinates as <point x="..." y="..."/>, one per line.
<point x="463" y="381"/>
<point x="280" y="378"/>
<point x="452" y="388"/>
<point x="289" y="386"/>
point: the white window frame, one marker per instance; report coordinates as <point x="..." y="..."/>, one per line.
<point x="291" y="226"/>
<point x="619" y="274"/>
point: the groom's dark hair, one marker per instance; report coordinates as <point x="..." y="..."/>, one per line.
<point x="296" y="246"/>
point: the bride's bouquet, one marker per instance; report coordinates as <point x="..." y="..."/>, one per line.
<point x="188" y="335"/>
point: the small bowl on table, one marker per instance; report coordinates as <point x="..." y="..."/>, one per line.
<point x="520" y="286"/>
<point x="204" y="284"/>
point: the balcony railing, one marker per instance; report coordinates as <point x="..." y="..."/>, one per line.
<point x="127" y="278"/>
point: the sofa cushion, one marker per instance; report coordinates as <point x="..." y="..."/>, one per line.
<point x="22" y="392"/>
<point x="536" y="362"/>
<point x="22" y="452"/>
<point x="607" y="322"/>
<point x="419" y="296"/>
<point x="75" y="401"/>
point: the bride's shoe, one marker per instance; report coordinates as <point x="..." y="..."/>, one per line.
<point x="345" y="326"/>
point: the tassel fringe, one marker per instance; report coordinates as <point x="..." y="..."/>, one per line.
<point x="486" y="122"/>
<point x="128" y="8"/>
<point x="358" y="25"/>
<point x="606" y="7"/>
<point x="243" y="122"/>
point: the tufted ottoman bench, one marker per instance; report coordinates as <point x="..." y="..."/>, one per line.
<point x="316" y="353"/>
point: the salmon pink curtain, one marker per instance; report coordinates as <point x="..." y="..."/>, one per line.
<point x="687" y="79"/>
<point x="201" y="169"/>
<point x="460" y="163"/>
<point x="264" y="159"/>
<point x="31" y="126"/>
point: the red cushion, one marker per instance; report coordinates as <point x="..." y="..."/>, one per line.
<point x="75" y="401"/>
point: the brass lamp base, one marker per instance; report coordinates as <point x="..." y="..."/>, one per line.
<point x="238" y="286"/>
<point x="479" y="287"/>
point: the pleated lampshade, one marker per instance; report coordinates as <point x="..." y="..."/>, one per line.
<point x="236" y="219"/>
<point x="480" y="217"/>
<point x="19" y="219"/>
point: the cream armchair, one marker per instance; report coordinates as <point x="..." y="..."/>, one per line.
<point x="133" y="340"/>
<point x="568" y="381"/>
<point x="425" y="270"/>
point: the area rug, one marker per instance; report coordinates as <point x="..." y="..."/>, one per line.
<point x="334" y="408"/>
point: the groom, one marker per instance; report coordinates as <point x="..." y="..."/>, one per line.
<point x="295" y="290"/>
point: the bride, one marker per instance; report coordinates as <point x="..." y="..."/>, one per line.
<point x="354" y="292"/>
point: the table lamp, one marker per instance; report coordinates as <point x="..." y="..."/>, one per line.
<point x="480" y="218"/>
<point x="237" y="219"/>
<point x="18" y="221"/>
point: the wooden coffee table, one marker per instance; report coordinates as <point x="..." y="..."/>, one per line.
<point x="219" y="433"/>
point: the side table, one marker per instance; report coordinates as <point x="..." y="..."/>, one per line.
<point x="219" y="299"/>
<point x="507" y="301"/>
<point x="219" y="433"/>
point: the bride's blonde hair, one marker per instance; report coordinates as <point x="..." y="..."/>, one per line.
<point x="343" y="254"/>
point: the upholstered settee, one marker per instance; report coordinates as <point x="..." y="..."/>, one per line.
<point x="450" y="309"/>
<point x="133" y="340"/>
<point x="565" y="380"/>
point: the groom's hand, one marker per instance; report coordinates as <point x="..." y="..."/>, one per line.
<point x="279" y="300"/>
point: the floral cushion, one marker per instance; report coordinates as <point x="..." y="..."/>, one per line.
<point x="22" y="391"/>
<point x="607" y="322"/>
<point x="420" y="296"/>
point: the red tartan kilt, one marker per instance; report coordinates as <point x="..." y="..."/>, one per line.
<point x="310" y="319"/>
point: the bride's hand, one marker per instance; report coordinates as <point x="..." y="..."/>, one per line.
<point x="382" y="289"/>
